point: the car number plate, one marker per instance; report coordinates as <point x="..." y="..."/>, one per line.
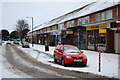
<point x="77" y="60"/>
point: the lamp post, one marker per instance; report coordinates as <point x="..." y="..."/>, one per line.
<point x="32" y="29"/>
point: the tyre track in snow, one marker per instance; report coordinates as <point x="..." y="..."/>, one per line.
<point x="23" y="63"/>
<point x="61" y="73"/>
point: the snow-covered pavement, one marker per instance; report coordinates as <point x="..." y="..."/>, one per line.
<point x="109" y="62"/>
<point x="0" y="62"/>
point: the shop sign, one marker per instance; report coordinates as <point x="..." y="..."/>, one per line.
<point x="96" y="27"/>
<point x="69" y="32"/>
<point x="118" y="28"/>
<point x="55" y="33"/>
<point x="117" y="21"/>
<point x="102" y="30"/>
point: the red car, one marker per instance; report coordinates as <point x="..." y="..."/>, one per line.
<point x="69" y="54"/>
<point x="25" y="45"/>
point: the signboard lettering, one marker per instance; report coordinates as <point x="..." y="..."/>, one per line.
<point x="96" y="27"/>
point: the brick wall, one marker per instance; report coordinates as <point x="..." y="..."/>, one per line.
<point x="114" y="12"/>
<point x="92" y="18"/>
<point x="75" y="22"/>
<point x="65" y="25"/>
<point x="119" y="11"/>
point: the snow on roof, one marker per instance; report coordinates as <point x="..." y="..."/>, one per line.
<point x="41" y="26"/>
<point x="54" y="21"/>
<point x="90" y="8"/>
<point x="83" y="11"/>
<point x="96" y="6"/>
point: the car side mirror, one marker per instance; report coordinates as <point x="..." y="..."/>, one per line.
<point x="82" y="52"/>
<point x="60" y="50"/>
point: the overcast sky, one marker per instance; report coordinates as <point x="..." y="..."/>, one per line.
<point x="41" y="11"/>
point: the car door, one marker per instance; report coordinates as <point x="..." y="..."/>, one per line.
<point x="58" y="53"/>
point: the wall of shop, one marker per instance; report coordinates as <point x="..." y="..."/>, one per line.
<point x="114" y="11"/>
<point x="92" y="18"/>
<point x="110" y="41"/>
<point x="117" y="43"/>
<point x="119" y="11"/>
<point x="95" y="39"/>
<point x="92" y="37"/>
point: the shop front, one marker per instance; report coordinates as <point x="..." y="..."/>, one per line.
<point x="50" y="37"/>
<point x="75" y="36"/>
<point x="100" y="36"/>
<point x="115" y="26"/>
<point x="55" y="37"/>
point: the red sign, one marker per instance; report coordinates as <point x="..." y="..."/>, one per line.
<point x="118" y="28"/>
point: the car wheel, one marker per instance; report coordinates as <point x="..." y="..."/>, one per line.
<point x="84" y="65"/>
<point x="62" y="62"/>
<point x="55" y="60"/>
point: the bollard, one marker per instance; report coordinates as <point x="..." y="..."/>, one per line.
<point x="99" y="62"/>
<point x="46" y="47"/>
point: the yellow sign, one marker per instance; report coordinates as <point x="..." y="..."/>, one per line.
<point x="96" y="27"/>
<point x="117" y="21"/>
<point x="102" y="30"/>
<point x="69" y="32"/>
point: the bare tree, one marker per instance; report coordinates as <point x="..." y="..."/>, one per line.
<point x="20" y="27"/>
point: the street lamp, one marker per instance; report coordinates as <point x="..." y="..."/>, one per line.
<point x="32" y="29"/>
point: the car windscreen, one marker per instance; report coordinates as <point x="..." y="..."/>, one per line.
<point x="16" y="41"/>
<point x="71" y="49"/>
<point x="25" y="43"/>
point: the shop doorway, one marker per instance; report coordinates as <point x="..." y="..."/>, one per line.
<point x="96" y="40"/>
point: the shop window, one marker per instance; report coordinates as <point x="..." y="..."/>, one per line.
<point x="44" y="30"/>
<point x="102" y="40"/>
<point x="54" y="28"/>
<point x="98" y="17"/>
<point x="94" y="38"/>
<point x="103" y="15"/>
<point x="37" y="32"/>
<point x="80" y="21"/>
<point x="48" y="29"/>
<point x="109" y="14"/>
<point x="90" y="38"/>
<point x="70" y="24"/>
<point x="61" y="26"/>
<point x="86" y="20"/>
<point x="40" y="31"/>
<point x="83" y="21"/>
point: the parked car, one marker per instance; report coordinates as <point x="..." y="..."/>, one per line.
<point x="8" y="42"/>
<point x="16" y="42"/>
<point x="69" y="54"/>
<point x="25" y="44"/>
<point x="0" y="42"/>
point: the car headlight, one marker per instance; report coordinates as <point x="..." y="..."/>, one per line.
<point x="85" y="57"/>
<point x="68" y="57"/>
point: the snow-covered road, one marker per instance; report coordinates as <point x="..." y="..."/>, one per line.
<point x="22" y="61"/>
<point x="7" y="70"/>
<point x="109" y="67"/>
<point x="109" y="63"/>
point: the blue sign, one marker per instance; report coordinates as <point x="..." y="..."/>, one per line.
<point x="55" y="33"/>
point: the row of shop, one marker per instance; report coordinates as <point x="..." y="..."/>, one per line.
<point x="90" y="37"/>
<point x="91" y="29"/>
